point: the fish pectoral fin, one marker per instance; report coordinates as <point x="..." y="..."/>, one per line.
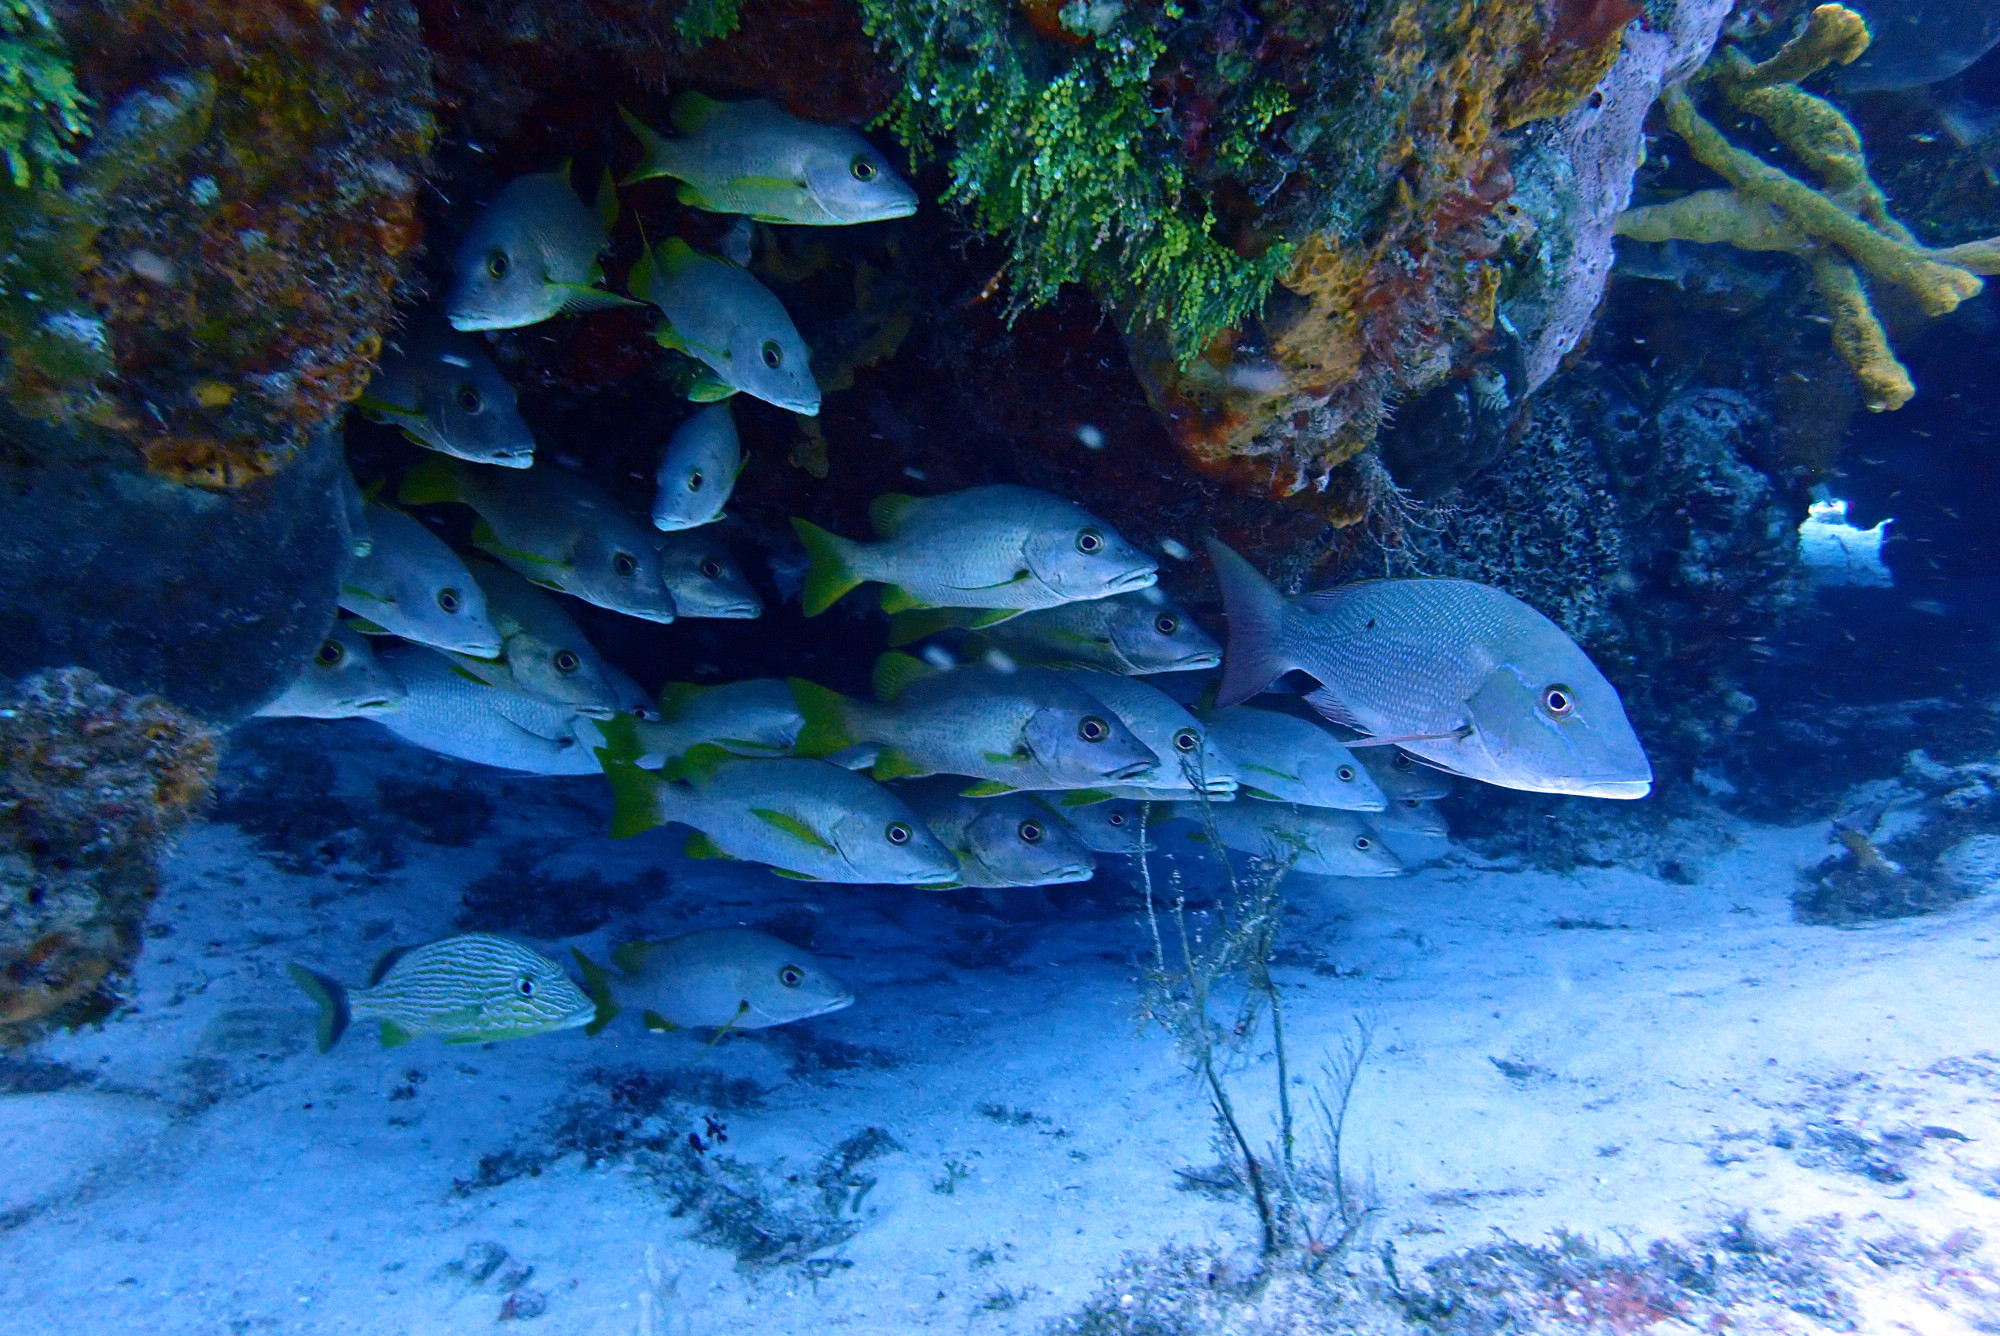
<point x="1016" y="578"/>
<point x="486" y="540"/>
<point x="384" y="411"/>
<point x="1267" y="770"/>
<point x="1009" y="758"/>
<point x="394" y="1035"/>
<point x="1332" y="707"/>
<point x="742" y="1010"/>
<point x="1083" y="798"/>
<point x="576" y="298"/>
<point x="368" y="628"/>
<point x="985" y="788"/>
<point x="1458" y="734"/>
<point x="1263" y="795"/>
<point x="709" y="388"/>
<point x="659" y="1024"/>
<point x="793" y="827"/>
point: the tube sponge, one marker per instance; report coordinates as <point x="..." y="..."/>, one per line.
<point x="1857" y="335"/>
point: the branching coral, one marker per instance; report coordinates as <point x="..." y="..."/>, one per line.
<point x="1834" y="229"/>
<point x="41" y="109"/>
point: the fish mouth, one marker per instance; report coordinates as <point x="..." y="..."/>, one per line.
<point x="1608" y="788"/>
<point x="1125" y="582"/>
<point x="1069" y="872"/>
<point x="647" y="614"/>
<point x="1126" y="773"/>
<point x="512" y="459"/>
<point x="1193" y="662"/>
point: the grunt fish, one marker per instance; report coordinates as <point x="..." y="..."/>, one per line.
<point x="1283" y="758"/>
<point x="411" y="585"/>
<point x="1135" y="633"/>
<point x="441" y="388"/>
<point x="342" y="680"/>
<point x="1415" y="831"/>
<point x="543" y="653"/>
<point x="757" y="717"/>
<point x="531" y="254"/>
<point x="724" y="318"/>
<point x="729" y="978"/>
<point x="1110" y="826"/>
<point x="1009" y="840"/>
<point x="1460" y="674"/>
<point x="453" y="713"/>
<point x="698" y="471"/>
<point x="704" y="579"/>
<point x="1189" y="758"/>
<point x="469" y="989"/>
<point x="1322" y="841"/>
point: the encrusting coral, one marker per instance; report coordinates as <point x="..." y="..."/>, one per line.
<point x="1834" y="229"/>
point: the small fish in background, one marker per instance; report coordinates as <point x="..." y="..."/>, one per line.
<point x="1461" y="674"/>
<point x="1025" y="729"/>
<point x="411" y="585"/>
<point x="532" y="254"/>
<point x="1003" y="548"/>
<point x="1135" y="634"/>
<point x="755" y="717"/>
<point x="753" y="159"/>
<point x="704" y="579"/>
<point x="1836" y="554"/>
<point x="803" y="819"/>
<point x="469" y="989"/>
<point x="449" y="711"/>
<point x="543" y="653"/>
<point x="342" y="680"/>
<point x="725" y="978"/>
<point x="1109" y="826"/>
<point x="1415" y="831"/>
<point x="555" y="528"/>
<point x="1283" y="758"/>
<point x="441" y="388"/>
<point x="1189" y="760"/>
<point x="1009" y="840"/>
<point x="698" y="470"/>
<point x="1400" y="776"/>
<point x="1321" y="841"/>
<point x="724" y="318"/>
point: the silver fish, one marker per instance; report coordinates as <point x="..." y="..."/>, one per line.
<point x="1415" y="831"/>
<point x="1283" y="758"/>
<point x="543" y="653"/>
<point x="1005" y="548"/>
<point x="698" y="470"/>
<point x="1111" y="826"/>
<point x="450" y="712"/>
<point x="721" y="316"/>
<point x="469" y="989"/>
<point x="1321" y="841"/>
<point x="1027" y="729"/>
<point x="728" y="978"/>
<point x="1465" y="676"/>
<point x="1009" y="840"/>
<point x="410" y="584"/>
<point x="441" y="388"/>
<point x="704" y="579"/>
<point x="1398" y="774"/>
<point x="557" y="529"/>
<point x="751" y="158"/>
<point x="532" y="254"/>
<point x="1189" y="757"/>
<point x="757" y="717"/>
<point x="1135" y="633"/>
<point x="342" y="680"/>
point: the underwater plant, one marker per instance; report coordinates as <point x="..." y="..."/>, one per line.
<point x="42" y="111"/>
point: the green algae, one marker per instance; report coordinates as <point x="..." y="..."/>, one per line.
<point x="42" y="112"/>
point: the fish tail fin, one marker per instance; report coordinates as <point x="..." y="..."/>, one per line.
<point x="607" y="202"/>
<point x="635" y="792"/>
<point x="1256" y="612"/>
<point x="433" y="481"/>
<point x="331" y="997"/>
<point x="825" y="713"/>
<point x="596" y="982"/>
<point x="832" y="573"/>
<point x="657" y="156"/>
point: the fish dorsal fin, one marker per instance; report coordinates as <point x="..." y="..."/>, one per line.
<point x="674" y="255"/>
<point x="1332" y="707"/>
<point x="432" y="482"/>
<point x="699" y="845"/>
<point x="692" y="110"/>
<point x="676" y="697"/>
<point x="890" y="511"/>
<point x="639" y="278"/>
<point x="385" y="964"/>
<point x="631" y="956"/>
<point x="793" y="827"/>
<point x="896" y="673"/>
<point x="607" y="202"/>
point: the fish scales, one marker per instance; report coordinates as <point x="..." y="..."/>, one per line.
<point x="449" y="713"/>
<point x="434" y="984"/>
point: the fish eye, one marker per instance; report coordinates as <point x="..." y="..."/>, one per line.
<point x="1558" y="701"/>
<point x="567" y="662"/>
<point x="773" y="354"/>
<point x="1403" y="762"/>
<point x="625" y="564"/>
<point x="527" y="986"/>
<point x="448" y="600"/>
<point x="1186" y="740"/>
<point x="1363" y="843"/>
<point x="1412" y="803"/>
<point x="1116" y="818"/>
<point x="898" y="833"/>
<point x="1089" y="541"/>
<point x="791" y="976"/>
<point x="710" y="567"/>
<point x="1345" y="774"/>
<point x="331" y="652"/>
<point x="1166" y="623"/>
<point x="863" y="169"/>
<point x="469" y="399"/>
<point x="1031" y="831"/>
<point x="1092" y="729"/>
<point x="496" y="263"/>
<point x="694" y="481"/>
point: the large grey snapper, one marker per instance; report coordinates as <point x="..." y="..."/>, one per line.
<point x="753" y="159"/>
<point x="1026" y="729"/>
<point x="1415" y="831"/>
<point x="756" y="717"/>
<point x="1283" y="758"/>
<point x="342" y="680"/>
<point x="543" y="653"/>
<point x="450" y="712"/>
<point x="469" y="989"/>
<point x="1322" y="841"/>
<point x="559" y="530"/>
<point x="1001" y="547"/>
<point x="411" y="585"/>
<point x="1009" y="840"/>
<point x="442" y="389"/>
<point x="724" y="318"/>
<point x="704" y="579"/>
<point x="1112" y="826"/>
<point x="1189" y="758"/>
<point x="727" y="978"/>
<point x="531" y="254"/>
<point x="698" y="471"/>
<point x="802" y="818"/>
<point x="1135" y="633"/>
<point x="1465" y="676"/>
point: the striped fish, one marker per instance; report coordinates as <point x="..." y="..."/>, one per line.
<point x="469" y="989"/>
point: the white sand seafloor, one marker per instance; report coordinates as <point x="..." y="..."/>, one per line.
<point x="1602" y="1052"/>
